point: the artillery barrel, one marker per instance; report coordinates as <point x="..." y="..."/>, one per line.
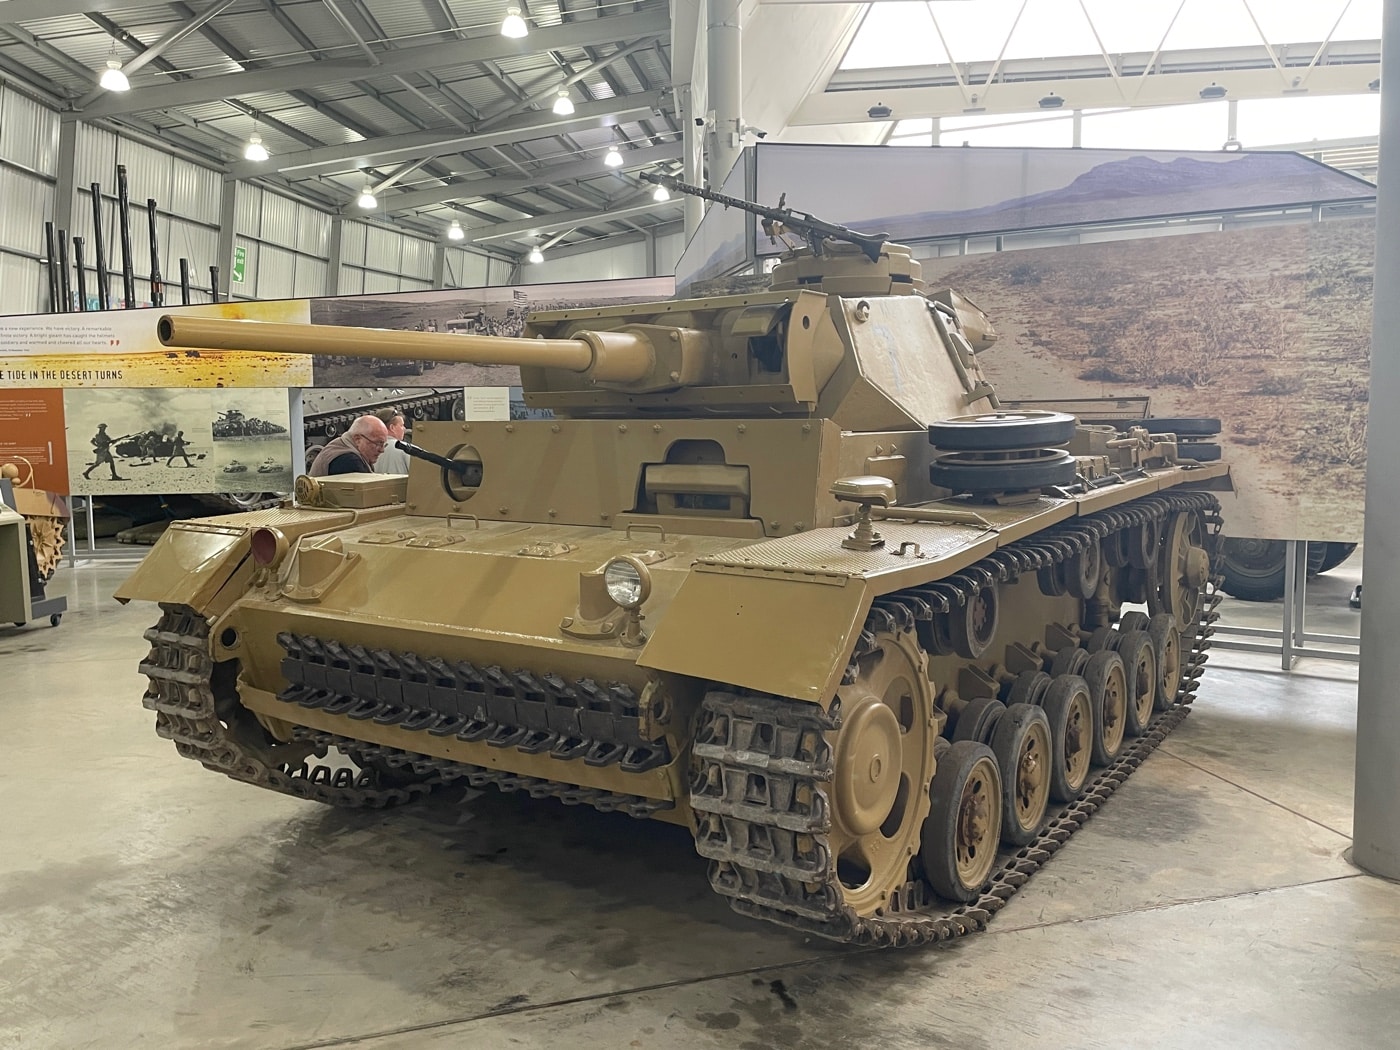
<point x="607" y="356"/>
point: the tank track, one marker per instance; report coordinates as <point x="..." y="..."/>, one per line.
<point x="221" y="735"/>
<point x="447" y="771"/>
<point x="411" y="404"/>
<point x="778" y="867"/>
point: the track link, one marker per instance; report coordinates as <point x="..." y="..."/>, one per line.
<point x="764" y="764"/>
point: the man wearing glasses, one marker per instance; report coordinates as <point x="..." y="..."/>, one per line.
<point x="355" y="451"/>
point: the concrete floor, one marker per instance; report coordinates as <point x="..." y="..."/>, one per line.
<point x="147" y="902"/>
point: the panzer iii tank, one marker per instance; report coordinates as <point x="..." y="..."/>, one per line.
<point x="778" y="571"/>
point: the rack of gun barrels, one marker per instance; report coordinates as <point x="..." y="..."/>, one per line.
<point x="61" y="269"/>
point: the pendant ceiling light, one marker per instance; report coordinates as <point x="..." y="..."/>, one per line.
<point x="613" y="158"/>
<point x="563" y="105"/>
<point x="455" y="231"/>
<point x="535" y="256"/>
<point x="113" y="79"/>
<point x="255" y="150"/>
<point x="367" y="200"/>
<point x="514" y="26"/>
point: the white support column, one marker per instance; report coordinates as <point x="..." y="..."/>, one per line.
<point x="1376" y="825"/>
<point x="333" y="253"/>
<point x="726" y="87"/>
<point x="690" y="87"/>
<point x="439" y="265"/>
<point x="650" y="254"/>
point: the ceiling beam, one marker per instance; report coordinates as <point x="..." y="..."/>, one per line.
<point x="469" y="189"/>
<point x="408" y="60"/>
<point x="13" y="11"/>
<point x="550" y="222"/>
<point x="411" y="145"/>
<point x="1101" y="92"/>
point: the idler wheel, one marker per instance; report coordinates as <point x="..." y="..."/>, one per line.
<point x="1021" y="745"/>
<point x="1108" y="696"/>
<point x="964" y="823"/>
<point x="1002" y="430"/>
<point x="1184" y="568"/>
<point x="1140" y="669"/>
<point x="883" y="766"/>
<point x="1166" y="646"/>
<point x="1071" y="715"/>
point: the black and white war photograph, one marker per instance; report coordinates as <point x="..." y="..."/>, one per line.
<point x="252" y="448"/>
<point x="138" y="441"/>
<point x="499" y="311"/>
<point x="130" y="441"/>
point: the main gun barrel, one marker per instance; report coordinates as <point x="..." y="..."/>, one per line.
<point x="619" y="357"/>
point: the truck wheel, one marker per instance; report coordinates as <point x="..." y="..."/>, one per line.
<point x="1254" y="568"/>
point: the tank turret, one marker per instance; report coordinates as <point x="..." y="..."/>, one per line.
<point x="779" y="571"/>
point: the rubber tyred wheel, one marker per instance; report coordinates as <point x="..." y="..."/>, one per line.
<point x="963" y="828"/>
<point x="1140" y="668"/>
<point x="979" y="719"/>
<point x="1108" y="694"/>
<point x="1133" y="620"/>
<point x="1021" y="745"/>
<point x="1069" y="661"/>
<point x="1166" y="646"/>
<point x="1028" y="688"/>
<point x="1068" y="707"/>
<point x="1002" y="430"/>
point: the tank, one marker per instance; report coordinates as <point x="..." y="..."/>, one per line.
<point x="779" y="570"/>
<point x="234" y="424"/>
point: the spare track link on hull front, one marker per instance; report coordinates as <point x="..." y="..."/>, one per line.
<point x="778" y="868"/>
<point x="215" y="731"/>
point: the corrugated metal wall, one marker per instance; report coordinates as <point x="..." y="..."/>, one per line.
<point x="619" y="260"/>
<point x="377" y="259"/>
<point x="187" y="220"/>
<point x="28" y="165"/>
<point x="286" y="243"/>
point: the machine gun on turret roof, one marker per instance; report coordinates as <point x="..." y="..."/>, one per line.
<point x="777" y="221"/>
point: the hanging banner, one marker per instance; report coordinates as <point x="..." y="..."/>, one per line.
<point x="119" y="348"/>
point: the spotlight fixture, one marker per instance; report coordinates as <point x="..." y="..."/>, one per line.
<point x="367" y="200"/>
<point x="1232" y="146"/>
<point x="613" y="158"/>
<point x="879" y="111"/>
<point x="1375" y="85"/>
<point x="455" y="231"/>
<point x="563" y="105"/>
<point x="255" y="150"/>
<point x="514" y="26"/>
<point x="661" y="193"/>
<point x="1051" y="101"/>
<point x="1212" y="90"/>
<point x="113" y="79"/>
<point x="535" y="256"/>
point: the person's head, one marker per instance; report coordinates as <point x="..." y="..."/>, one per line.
<point x="101" y="426"/>
<point x="179" y="433"/>
<point x="392" y="418"/>
<point x="368" y="434"/>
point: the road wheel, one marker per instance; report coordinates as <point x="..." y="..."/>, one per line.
<point x="1021" y="745"/>
<point x="1166" y="647"/>
<point x="979" y="719"/>
<point x="1108" y="695"/>
<point x="1071" y="716"/>
<point x="1140" y="669"/>
<point x="964" y="823"/>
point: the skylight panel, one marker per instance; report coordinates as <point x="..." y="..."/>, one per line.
<point x="1290" y="121"/>
<point x="1201" y="125"/>
<point x="895" y="34"/>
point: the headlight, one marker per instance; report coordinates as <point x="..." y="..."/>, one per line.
<point x="628" y="581"/>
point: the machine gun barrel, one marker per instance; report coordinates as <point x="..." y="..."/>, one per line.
<point x="605" y="356"/>
<point x="468" y="471"/>
<point x="777" y="220"/>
